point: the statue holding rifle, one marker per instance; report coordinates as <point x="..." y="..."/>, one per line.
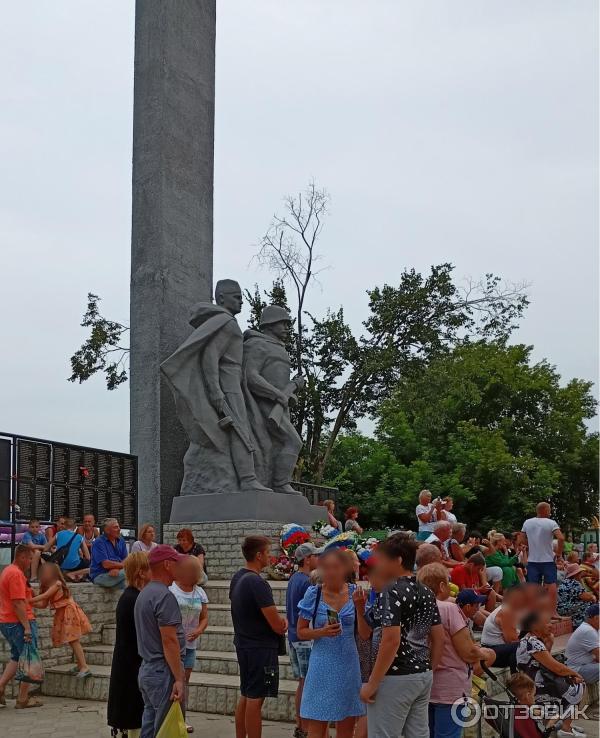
<point x="268" y="392"/>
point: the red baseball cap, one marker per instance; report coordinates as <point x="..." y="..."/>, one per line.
<point x="162" y="552"/>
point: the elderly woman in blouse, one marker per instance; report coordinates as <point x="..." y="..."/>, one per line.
<point x="145" y="542"/>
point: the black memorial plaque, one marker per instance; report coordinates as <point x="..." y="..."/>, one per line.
<point x="103" y="470"/>
<point x="75" y="495"/>
<point x="42" y="500"/>
<point x="33" y="500"/>
<point x="129" y="506"/>
<point x="55" y="479"/>
<point x="88" y="468"/>
<point x="42" y="462"/>
<point x="25" y="499"/>
<point x="26" y="459"/>
<point x="60" y="464"/>
<point x="116" y="472"/>
<point x="89" y="502"/>
<point x="60" y="500"/>
<point x="116" y="505"/>
<point x="102" y="504"/>
<point x="5" y="479"/>
<point x="128" y="473"/>
<point x="75" y="466"/>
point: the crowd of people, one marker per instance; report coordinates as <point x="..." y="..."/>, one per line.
<point x="381" y="653"/>
<point x="48" y="558"/>
<point x="396" y="654"/>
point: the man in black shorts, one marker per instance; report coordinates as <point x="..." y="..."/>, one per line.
<point x="257" y="628"/>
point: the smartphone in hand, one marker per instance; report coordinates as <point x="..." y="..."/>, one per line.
<point x="333" y="617"/>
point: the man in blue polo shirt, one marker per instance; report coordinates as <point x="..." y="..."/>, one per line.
<point x="108" y="553"/>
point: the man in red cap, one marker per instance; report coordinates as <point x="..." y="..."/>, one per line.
<point x="160" y="639"/>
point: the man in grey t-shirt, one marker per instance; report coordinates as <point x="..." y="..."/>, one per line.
<point x="583" y="648"/>
<point x="160" y="640"/>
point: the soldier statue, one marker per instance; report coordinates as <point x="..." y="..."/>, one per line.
<point x="268" y="391"/>
<point x="205" y="375"/>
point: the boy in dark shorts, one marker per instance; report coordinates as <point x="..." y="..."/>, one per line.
<point x="257" y="628"/>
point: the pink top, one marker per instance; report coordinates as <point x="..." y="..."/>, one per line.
<point x="451" y="679"/>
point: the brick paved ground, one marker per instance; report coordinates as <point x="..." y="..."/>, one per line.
<point x="66" y="718"/>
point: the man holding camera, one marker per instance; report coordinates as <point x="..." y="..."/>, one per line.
<point x="428" y="513"/>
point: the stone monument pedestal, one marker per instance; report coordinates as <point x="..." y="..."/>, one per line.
<point x="220" y="522"/>
<point x="267" y="506"/>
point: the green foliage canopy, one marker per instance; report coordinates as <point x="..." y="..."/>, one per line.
<point x="485" y="425"/>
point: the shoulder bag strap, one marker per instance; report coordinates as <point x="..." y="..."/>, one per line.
<point x="316" y="607"/>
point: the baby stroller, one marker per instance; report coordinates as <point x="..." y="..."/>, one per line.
<point x="500" y="715"/>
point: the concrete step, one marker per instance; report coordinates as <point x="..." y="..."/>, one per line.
<point x="214" y="638"/>
<point x="98" y="655"/>
<point x="208" y="662"/>
<point x="212" y="693"/>
<point x="221" y="614"/>
<point x="225" y="662"/>
<point x="217" y="591"/>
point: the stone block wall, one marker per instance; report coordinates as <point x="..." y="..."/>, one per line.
<point x="223" y="542"/>
<point x="97" y="603"/>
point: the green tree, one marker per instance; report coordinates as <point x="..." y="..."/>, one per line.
<point x="408" y="325"/>
<point x="487" y="426"/>
<point x="102" y="351"/>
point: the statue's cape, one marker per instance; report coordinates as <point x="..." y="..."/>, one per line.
<point x="183" y="372"/>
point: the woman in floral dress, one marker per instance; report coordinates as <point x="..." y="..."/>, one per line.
<point x="573" y="599"/>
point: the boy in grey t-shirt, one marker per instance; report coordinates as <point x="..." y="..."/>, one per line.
<point x="160" y="640"/>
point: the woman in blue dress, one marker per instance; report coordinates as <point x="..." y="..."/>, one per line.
<point x="332" y="685"/>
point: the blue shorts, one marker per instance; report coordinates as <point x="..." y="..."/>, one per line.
<point x="15" y="635"/>
<point x="189" y="660"/>
<point x="299" y="656"/>
<point x="423" y="535"/>
<point x="442" y="722"/>
<point x="541" y="571"/>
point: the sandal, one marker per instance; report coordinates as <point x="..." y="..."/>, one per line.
<point x="31" y="702"/>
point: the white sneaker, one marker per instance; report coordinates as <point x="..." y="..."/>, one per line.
<point x="576" y="733"/>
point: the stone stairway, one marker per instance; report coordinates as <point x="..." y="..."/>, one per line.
<point x="214" y="684"/>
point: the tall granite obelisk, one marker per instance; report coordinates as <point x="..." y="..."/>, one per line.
<point x="172" y="224"/>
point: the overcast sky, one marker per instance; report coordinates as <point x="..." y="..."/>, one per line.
<point x="444" y="131"/>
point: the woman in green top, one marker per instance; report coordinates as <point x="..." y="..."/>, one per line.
<point x="496" y="556"/>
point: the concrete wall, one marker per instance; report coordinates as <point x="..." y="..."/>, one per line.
<point x="98" y="604"/>
<point x="223" y="542"/>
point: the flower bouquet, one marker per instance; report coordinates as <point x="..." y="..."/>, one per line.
<point x="325" y="530"/>
<point x="292" y="535"/>
<point x="364" y="550"/>
<point x="281" y="568"/>
<point x="342" y="540"/>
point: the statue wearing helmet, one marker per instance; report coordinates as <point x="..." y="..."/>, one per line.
<point x="268" y="392"/>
